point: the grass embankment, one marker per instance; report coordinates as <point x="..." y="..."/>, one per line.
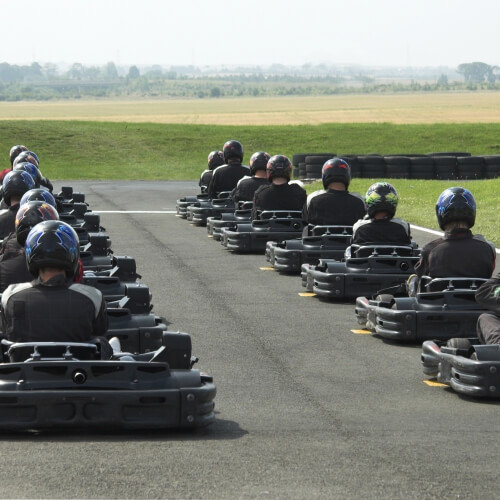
<point x="417" y="199"/>
<point x="100" y="150"/>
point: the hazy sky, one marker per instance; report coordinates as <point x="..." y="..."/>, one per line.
<point x="213" y="32"/>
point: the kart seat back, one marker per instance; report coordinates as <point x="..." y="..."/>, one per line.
<point x="245" y="205"/>
<point x="429" y="284"/>
<point x="330" y="230"/>
<point x="39" y="351"/>
<point x="279" y="214"/>
<point x="364" y="251"/>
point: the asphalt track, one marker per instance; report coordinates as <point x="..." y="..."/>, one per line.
<point x="304" y="407"/>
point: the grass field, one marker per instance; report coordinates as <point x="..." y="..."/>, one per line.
<point x="417" y="199"/>
<point x="451" y="107"/>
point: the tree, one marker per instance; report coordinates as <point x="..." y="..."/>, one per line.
<point x="442" y="80"/>
<point x="110" y="71"/>
<point x="133" y="73"/>
<point x="215" y="92"/>
<point x="475" y="72"/>
<point x="76" y="71"/>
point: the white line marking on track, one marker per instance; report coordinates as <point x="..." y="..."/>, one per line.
<point x="135" y="211"/>
<point x="437" y="233"/>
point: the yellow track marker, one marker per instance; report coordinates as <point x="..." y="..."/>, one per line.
<point x="209" y="235"/>
<point x="433" y="383"/>
<point x="266" y="268"/>
<point x="361" y="332"/>
<point x="307" y="294"/>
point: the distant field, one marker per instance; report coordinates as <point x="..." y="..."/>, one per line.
<point x="460" y="107"/>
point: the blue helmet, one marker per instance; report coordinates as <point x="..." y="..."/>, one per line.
<point x="32" y="169"/>
<point x="456" y="204"/>
<point x="52" y="244"/>
<point x="28" y="156"/>
<point x="16" y="183"/>
<point x="39" y="195"/>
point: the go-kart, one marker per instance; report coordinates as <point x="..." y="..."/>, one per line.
<point x="49" y="384"/>
<point x="198" y="213"/>
<point x="322" y="242"/>
<point x="184" y="202"/>
<point x="240" y="216"/>
<point x="69" y="196"/>
<point x="443" y="308"/>
<point x="466" y="366"/>
<point x="271" y="225"/>
<point x="366" y="270"/>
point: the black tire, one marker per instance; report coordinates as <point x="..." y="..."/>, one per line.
<point x="491" y="166"/>
<point x="450" y="153"/>
<point x="314" y="171"/>
<point x="373" y="167"/>
<point x="397" y="167"/>
<point x="318" y="158"/>
<point x="299" y="158"/>
<point x="470" y="167"/>
<point x="302" y="170"/>
<point x="445" y="167"/>
<point x="422" y="167"/>
<point x="407" y="155"/>
<point x="296" y="172"/>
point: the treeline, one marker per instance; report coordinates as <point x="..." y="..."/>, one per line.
<point x="36" y="82"/>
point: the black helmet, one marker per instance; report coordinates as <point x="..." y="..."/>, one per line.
<point x="215" y="159"/>
<point x="31" y="169"/>
<point x="16" y="183"/>
<point x="258" y="161"/>
<point x="278" y="166"/>
<point x="232" y="149"/>
<point x="456" y="204"/>
<point x="15" y="151"/>
<point x="381" y="197"/>
<point x="336" y="170"/>
<point x="29" y="215"/>
<point x="38" y="195"/>
<point x="52" y="244"/>
<point x="28" y="156"/>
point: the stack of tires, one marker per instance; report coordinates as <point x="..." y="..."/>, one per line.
<point x="448" y="165"/>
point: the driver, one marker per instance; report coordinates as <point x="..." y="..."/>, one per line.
<point x="246" y="187"/>
<point x="215" y="159"/>
<point x="488" y="324"/>
<point x="53" y="308"/>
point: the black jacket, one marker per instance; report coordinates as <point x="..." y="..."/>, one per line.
<point x="13" y="268"/>
<point x="205" y="178"/>
<point x="55" y="311"/>
<point x="488" y="295"/>
<point x="278" y="197"/>
<point x="458" y="254"/>
<point x="246" y="187"/>
<point x="386" y="231"/>
<point x="226" y="177"/>
<point x="8" y="220"/>
<point x="334" y="208"/>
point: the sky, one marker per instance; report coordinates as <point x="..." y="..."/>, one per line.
<point x="254" y="32"/>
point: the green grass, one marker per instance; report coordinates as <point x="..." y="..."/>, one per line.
<point x="417" y="199"/>
<point x="103" y="150"/>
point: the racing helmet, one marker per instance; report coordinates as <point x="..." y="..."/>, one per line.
<point x="16" y="183"/>
<point x="15" y="151"/>
<point x="29" y="215"/>
<point x="52" y="243"/>
<point x="278" y="166"/>
<point x="31" y="169"/>
<point x="28" y="156"/>
<point x="38" y="194"/>
<point x="258" y="161"/>
<point x="456" y="204"/>
<point x="232" y="149"/>
<point x="336" y="170"/>
<point x="381" y="197"/>
<point x="215" y="159"/>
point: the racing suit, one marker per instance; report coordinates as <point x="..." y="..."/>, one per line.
<point x="334" y="208"/>
<point x="8" y="220"/>
<point x="205" y="178"/>
<point x="55" y="311"/>
<point x="13" y="268"/>
<point x="226" y="177"/>
<point x="278" y="197"/>
<point x="246" y="187"/>
<point x="458" y="254"/>
<point x="488" y="324"/>
<point x="386" y="231"/>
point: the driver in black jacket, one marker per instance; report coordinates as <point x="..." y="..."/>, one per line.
<point x="52" y="308"/>
<point x="246" y="187"/>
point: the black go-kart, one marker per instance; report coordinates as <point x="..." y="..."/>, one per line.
<point x="444" y="308"/>
<point x="198" y="213"/>
<point x="271" y="225"/>
<point x="243" y="214"/>
<point x="366" y="270"/>
<point x="465" y="365"/>
<point x="69" y="385"/>
<point x="184" y="202"/>
<point x="322" y="242"/>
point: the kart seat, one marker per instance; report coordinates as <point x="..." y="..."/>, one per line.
<point x="363" y="251"/>
<point x="429" y="284"/>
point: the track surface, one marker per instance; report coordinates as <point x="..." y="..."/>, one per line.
<point x="304" y="406"/>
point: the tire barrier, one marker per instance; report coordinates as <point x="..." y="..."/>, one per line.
<point x="446" y="165"/>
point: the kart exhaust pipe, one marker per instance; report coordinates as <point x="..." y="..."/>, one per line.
<point x="404" y="266"/>
<point x="79" y="377"/>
